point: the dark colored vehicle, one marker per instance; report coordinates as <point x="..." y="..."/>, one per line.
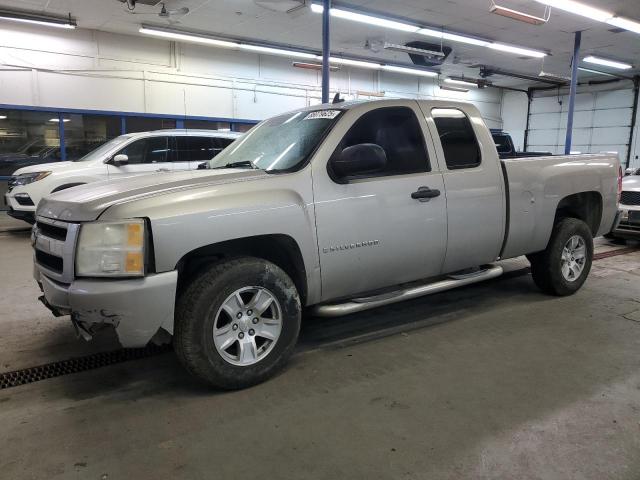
<point x="506" y="148"/>
<point x="30" y="154"/>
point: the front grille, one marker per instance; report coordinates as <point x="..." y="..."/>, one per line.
<point x="52" y="231"/>
<point x="52" y="262"/>
<point x="630" y="198"/>
<point x="54" y="244"/>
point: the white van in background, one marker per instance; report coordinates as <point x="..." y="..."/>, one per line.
<point x="130" y="154"/>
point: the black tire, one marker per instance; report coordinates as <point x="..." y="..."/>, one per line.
<point x="546" y="266"/>
<point x="196" y="310"/>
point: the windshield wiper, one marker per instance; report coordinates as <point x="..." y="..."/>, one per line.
<point x="243" y="163"/>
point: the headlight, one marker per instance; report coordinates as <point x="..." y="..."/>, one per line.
<point x="26" y="178"/>
<point x="111" y="249"/>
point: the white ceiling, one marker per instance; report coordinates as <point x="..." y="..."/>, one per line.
<point x="243" y="18"/>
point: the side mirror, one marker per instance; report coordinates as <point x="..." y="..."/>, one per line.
<point x="120" y="159"/>
<point x="361" y="159"/>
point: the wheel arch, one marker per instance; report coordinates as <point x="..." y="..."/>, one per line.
<point x="280" y="249"/>
<point x="585" y="206"/>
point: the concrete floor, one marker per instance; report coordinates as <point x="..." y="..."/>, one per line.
<point x="491" y="381"/>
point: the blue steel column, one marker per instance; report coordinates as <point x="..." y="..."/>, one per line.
<point x="326" y="50"/>
<point x="572" y="92"/>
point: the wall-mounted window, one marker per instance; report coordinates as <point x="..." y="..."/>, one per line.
<point x="146" y="124"/>
<point x="27" y="138"/>
<point x="84" y="133"/>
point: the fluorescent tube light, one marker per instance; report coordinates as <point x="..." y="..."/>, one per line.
<point x="517" y="50"/>
<point x="409" y="71"/>
<point x="468" y="83"/>
<point x="430" y="32"/>
<point x="354" y="63"/>
<point x="187" y="37"/>
<point x="3" y="117"/>
<point x="579" y="8"/>
<point x="607" y="63"/>
<point x="314" y="66"/>
<point x="57" y="120"/>
<point x="595" y="71"/>
<point x="517" y="15"/>
<point x="368" y="19"/>
<point x="625" y="23"/>
<point x="454" y="89"/>
<point x="277" y="51"/>
<point x="37" y="19"/>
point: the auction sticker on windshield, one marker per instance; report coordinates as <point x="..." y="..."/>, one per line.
<point x="327" y="114"/>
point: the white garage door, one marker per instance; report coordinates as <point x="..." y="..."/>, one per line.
<point x="601" y="123"/>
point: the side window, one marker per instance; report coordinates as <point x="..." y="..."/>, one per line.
<point x="147" y="150"/>
<point x="398" y="132"/>
<point x="220" y="144"/>
<point x="459" y="143"/>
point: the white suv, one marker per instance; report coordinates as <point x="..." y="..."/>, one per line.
<point x="130" y="154"/>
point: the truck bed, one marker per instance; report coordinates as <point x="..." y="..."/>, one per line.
<point x="536" y="185"/>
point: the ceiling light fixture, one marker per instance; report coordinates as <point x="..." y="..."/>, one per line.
<point x="355" y="63"/>
<point x="624" y="23"/>
<point x="277" y="51"/>
<point x="607" y="63"/>
<point x="368" y="19"/>
<point x="412" y="50"/>
<point x="46" y="20"/>
<point x="517" y="50"/>
<point x="460" y="81"/>
<point x="517" y="15"/>
<point x="57" y="120"/>
<point x="598" y="72"/>
<point x="593" y="13"/>
<point x="410" y="71"/>
<point x="454" y="89"/>
<point x="3" y="117"/>
<point x="314" y="66"/>
<point x="430" y="32"/>
<point x="186" y="37"/>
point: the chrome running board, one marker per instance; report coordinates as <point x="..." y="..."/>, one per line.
<point x="365" y="303"/>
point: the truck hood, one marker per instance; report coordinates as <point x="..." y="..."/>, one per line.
<point x="87" y="202"/>
<point x="55" y="167"/>
<point x="631" y="183"/>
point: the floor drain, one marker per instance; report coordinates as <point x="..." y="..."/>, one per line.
<point x="80" y="364"/>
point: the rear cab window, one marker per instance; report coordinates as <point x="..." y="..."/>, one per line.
<point x="459" y="143"/>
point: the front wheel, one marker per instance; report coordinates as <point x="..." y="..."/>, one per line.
<point x="563" y="267"/>
<point x="237" y="323"/>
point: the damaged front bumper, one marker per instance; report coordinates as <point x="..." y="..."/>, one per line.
<point x="137" y="308"/>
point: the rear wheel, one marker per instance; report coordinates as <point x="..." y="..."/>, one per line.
<point x="563" y="267"/>
<point x="237" y="324"/>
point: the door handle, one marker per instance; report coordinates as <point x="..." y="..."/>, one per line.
<point x="425" y="193"/>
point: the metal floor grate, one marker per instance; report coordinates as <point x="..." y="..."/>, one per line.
<point x="80" y="364"/>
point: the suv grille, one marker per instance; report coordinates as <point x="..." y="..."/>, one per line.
<point x="54" y="245"/>
<point x="52" y="231"/>
<point x="52" y="262"/>
<point x="630" y="198"/>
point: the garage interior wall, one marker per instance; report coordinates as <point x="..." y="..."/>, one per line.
<point x="602" y="119"/>
<point x="66" y="69"/>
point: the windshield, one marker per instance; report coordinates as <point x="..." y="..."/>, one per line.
<point x="279" y="144"/>
<point x="103" y="149"/>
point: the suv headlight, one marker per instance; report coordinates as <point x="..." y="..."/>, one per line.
<point x="111" y="249"/>
<point x="27" y="178"/>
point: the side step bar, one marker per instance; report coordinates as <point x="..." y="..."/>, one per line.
<point x="360" y="304"/>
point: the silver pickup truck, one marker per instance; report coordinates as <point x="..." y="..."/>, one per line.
<point x="335" y="208"/>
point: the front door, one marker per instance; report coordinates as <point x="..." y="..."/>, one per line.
<point x="371" y="232"/>
<point x="146" y="155"/>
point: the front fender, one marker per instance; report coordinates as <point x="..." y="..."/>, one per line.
<point x="184" y="221"/>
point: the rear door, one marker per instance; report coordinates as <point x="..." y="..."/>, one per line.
<point x="474" y="188"/>
<point x="371" y="232"/>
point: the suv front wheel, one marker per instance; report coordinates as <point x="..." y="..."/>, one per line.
<point x="237" y="323"/>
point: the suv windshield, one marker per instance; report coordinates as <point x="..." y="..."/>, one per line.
<point x="281" y="143"/>
<point x="104" y="148"/>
